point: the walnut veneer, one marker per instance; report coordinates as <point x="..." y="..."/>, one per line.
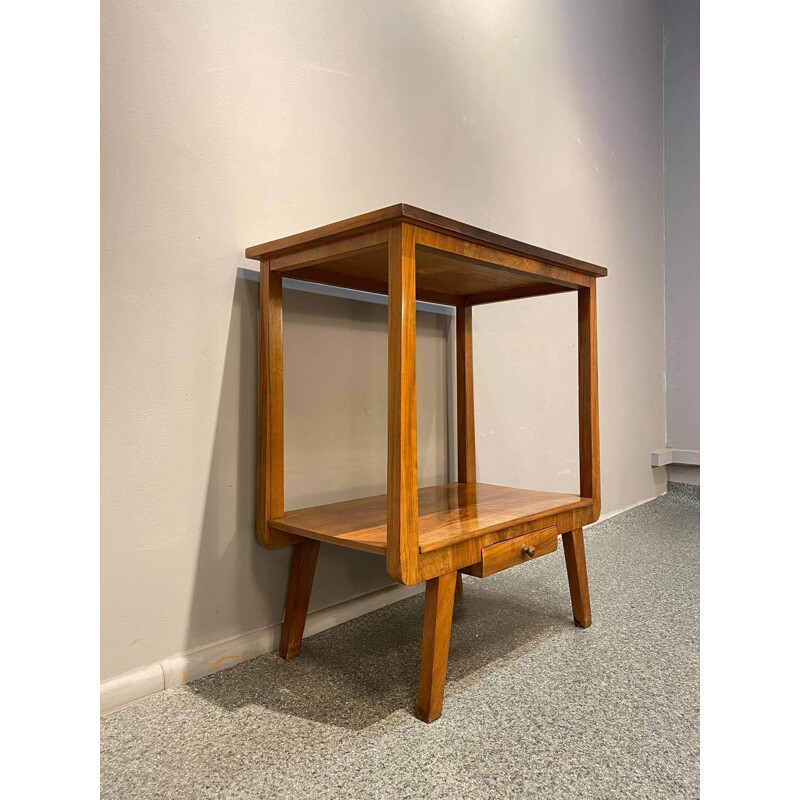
<point x="437" y="532"/>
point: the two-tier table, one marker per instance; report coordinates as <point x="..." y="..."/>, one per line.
<point x="435" y="533"/>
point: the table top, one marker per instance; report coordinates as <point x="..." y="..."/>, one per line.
<point x="430" y="221"/>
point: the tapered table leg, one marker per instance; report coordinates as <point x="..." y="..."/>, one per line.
<point x="576" y="573"/>
<point x="301" y="579"/>
<point x="439" y="596"/>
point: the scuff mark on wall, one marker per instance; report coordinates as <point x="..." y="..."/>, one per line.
<point x="220" y="660"/>
<point x="331" y="70"/>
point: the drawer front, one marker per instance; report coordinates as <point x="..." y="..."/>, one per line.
<point x="500" y="556"/>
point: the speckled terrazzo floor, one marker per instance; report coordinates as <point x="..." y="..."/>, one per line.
<point x="534" y="706"/>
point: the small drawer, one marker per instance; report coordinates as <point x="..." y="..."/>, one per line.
<point x="500" y="556"/>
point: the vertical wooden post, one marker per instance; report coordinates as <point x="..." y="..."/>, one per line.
<point x="589" y="421"/>
<point x="589" y="437"/>
<point x="298" y="593"/>
<point x="465" y="397"/>
<point x="439" y="596"/>
<point x="269" y="470"/>
<point x="402" y="545"/>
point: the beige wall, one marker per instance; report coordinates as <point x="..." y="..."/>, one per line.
<point x="226" y="124"/>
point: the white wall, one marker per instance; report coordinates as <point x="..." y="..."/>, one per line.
<point x="682" y="227"/>
<point x="227" y="124"/>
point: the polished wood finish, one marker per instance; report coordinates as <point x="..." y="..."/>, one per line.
<point x="459" y="584"/>
<point x="367" y="248"/>
<point x="512" y="552"/>
<point x="402" y="539"/>
<point x="436" y="626"/>
<point x="456" y="264"/>
<point x="269" y="467"/>
<point x="471" y="276"/>
<point x="516" y="293"/>
<point x="575" y="557"/>
<point x="588" y="412"/>
<point x="465" y="259"/>
<point x="298" y="593"/>
<point x="359" y="283"/>
<point x="465" y="397"/>
<point x="468" y="551"/>
<point x="435" y="533"/>
<point x="447" y="514"/>
<point x="403" y="212"/>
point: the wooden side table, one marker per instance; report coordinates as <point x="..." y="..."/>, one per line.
<point x="435" y="533"/>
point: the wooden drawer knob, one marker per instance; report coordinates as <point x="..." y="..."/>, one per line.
<point x="528" y="552"/>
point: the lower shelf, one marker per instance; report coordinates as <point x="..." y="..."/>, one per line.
<point x="448" y="513"/>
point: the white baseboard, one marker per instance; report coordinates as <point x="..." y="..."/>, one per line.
<point x="129" y="688"/>
<point x="604" y="517"/>
<point x="671" y="455"/>
<point x="177" y="670"/>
